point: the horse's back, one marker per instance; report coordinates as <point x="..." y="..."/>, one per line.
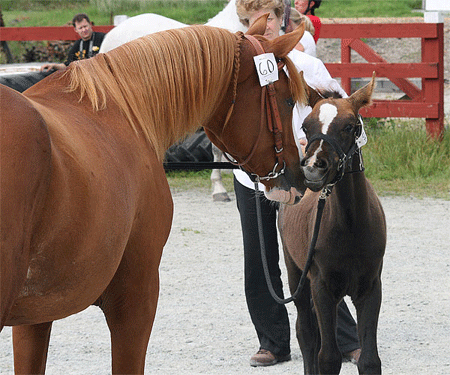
<point x="25" y="174"/>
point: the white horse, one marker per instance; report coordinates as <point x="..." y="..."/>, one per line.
<point x="143" y="24"/>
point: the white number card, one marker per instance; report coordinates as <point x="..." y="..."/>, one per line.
<point x="267" y="68"/>
<point x="362" y="139"/>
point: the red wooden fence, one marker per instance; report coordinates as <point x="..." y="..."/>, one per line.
<point x="427" y="102"/>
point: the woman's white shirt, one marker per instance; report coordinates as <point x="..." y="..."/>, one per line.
<point x="317" y="76"/>
<point x="308" y="43"/>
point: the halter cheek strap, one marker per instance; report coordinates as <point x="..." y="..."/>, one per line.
<point x="272" y="113"/>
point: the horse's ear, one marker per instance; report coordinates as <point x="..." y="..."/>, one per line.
<point x="284" y="44"/>
<point x="363" y="97"/>
<point x="259" y="26"/>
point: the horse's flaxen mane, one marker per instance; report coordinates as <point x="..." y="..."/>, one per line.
<point x="165" y="83"/>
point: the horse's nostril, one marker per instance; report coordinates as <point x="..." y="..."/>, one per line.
<point x="321" y="163"/>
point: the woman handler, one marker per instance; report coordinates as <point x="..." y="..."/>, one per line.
<point x="270" y="318"/>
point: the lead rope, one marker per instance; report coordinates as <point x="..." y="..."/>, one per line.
<point x="312" y="247"/>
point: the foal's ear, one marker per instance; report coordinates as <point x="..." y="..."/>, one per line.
<point x="259" y="26"/>
<point x="284" y="44"/>
<point x="363" y="97"/>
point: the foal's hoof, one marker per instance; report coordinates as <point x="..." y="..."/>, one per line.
<point x="352" y="356"/>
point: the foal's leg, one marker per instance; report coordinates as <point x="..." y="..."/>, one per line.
<point x="306" y="324"/>
<point x="30" y="345"/>
<point x="329" y="358"/>
<point x="368" y="310"/>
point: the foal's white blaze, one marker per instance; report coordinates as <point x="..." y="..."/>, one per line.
<point x="313" y="158"/>
<point x="327" y="113"/>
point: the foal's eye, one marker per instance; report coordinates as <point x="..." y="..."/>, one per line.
<point x="304" y="130"/>
<point x="290" y="102"/>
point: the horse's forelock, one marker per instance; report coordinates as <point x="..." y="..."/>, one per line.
<point x="164" y="83"/>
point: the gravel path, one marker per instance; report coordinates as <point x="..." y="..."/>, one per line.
<point x="202" y="325"/>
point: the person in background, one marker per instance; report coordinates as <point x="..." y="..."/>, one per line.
<point x="269" y="318"/>
<point x="307" y="8"/>
<point x="307" y="43"/>
<point x="84" y="48"/>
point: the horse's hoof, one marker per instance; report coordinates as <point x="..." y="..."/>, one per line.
<point x="221" y="197"/>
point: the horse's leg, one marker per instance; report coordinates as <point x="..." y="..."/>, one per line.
<point x="306" y="323"/>
<point x="219" y="192"/>
<point x="129" y="305"/>
<point x="368" y="310"/>
<point x="30" y="345"/>
<point x="329" y="358"/>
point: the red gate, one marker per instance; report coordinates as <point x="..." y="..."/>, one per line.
<point x="427" y="102"/>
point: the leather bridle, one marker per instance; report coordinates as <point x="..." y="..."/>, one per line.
<point x="272" y="114"/>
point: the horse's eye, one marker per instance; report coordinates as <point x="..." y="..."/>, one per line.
<point x="304" y="130"/>
<point x="349" y="128"/>
<point x="290" y="102"/>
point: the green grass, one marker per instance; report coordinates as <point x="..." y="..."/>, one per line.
<point x="368" y="8"/>
<point x="400" y="159"/>
<point x="59" y="12"/>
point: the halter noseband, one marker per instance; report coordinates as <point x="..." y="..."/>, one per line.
<point x="268" y="100"/>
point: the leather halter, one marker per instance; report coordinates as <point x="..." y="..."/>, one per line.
<point x="272" y="114"/>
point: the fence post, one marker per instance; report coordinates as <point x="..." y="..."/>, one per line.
<point x="433" y="88"/>
<point x="346" y="57"/>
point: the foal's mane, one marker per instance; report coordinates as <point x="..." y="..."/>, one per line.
<point x="165" y="83"/>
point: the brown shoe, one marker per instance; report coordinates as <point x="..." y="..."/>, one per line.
<point x="266" y="358"/>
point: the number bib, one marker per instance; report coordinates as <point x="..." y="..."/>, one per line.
<point x="267" y="68"/>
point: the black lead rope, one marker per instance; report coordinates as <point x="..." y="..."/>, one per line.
<point x="320" y="205"/>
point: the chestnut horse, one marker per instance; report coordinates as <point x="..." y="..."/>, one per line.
<point x="86" y="208"/>
<point x="351" y="239"/>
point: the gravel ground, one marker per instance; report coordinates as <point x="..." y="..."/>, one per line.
<point x="202" y="324"/>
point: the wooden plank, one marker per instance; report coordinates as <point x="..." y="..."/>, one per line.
<point x="401" y="108"/>
<point x="44" y="33"/>
<point x="389" y="70"/>
<point x="379" y="30"/>
<point x="370" y="55"/>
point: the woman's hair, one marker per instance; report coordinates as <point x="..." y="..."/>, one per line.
<point x="245" y="8"/>
<point x="296" y="17"/>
